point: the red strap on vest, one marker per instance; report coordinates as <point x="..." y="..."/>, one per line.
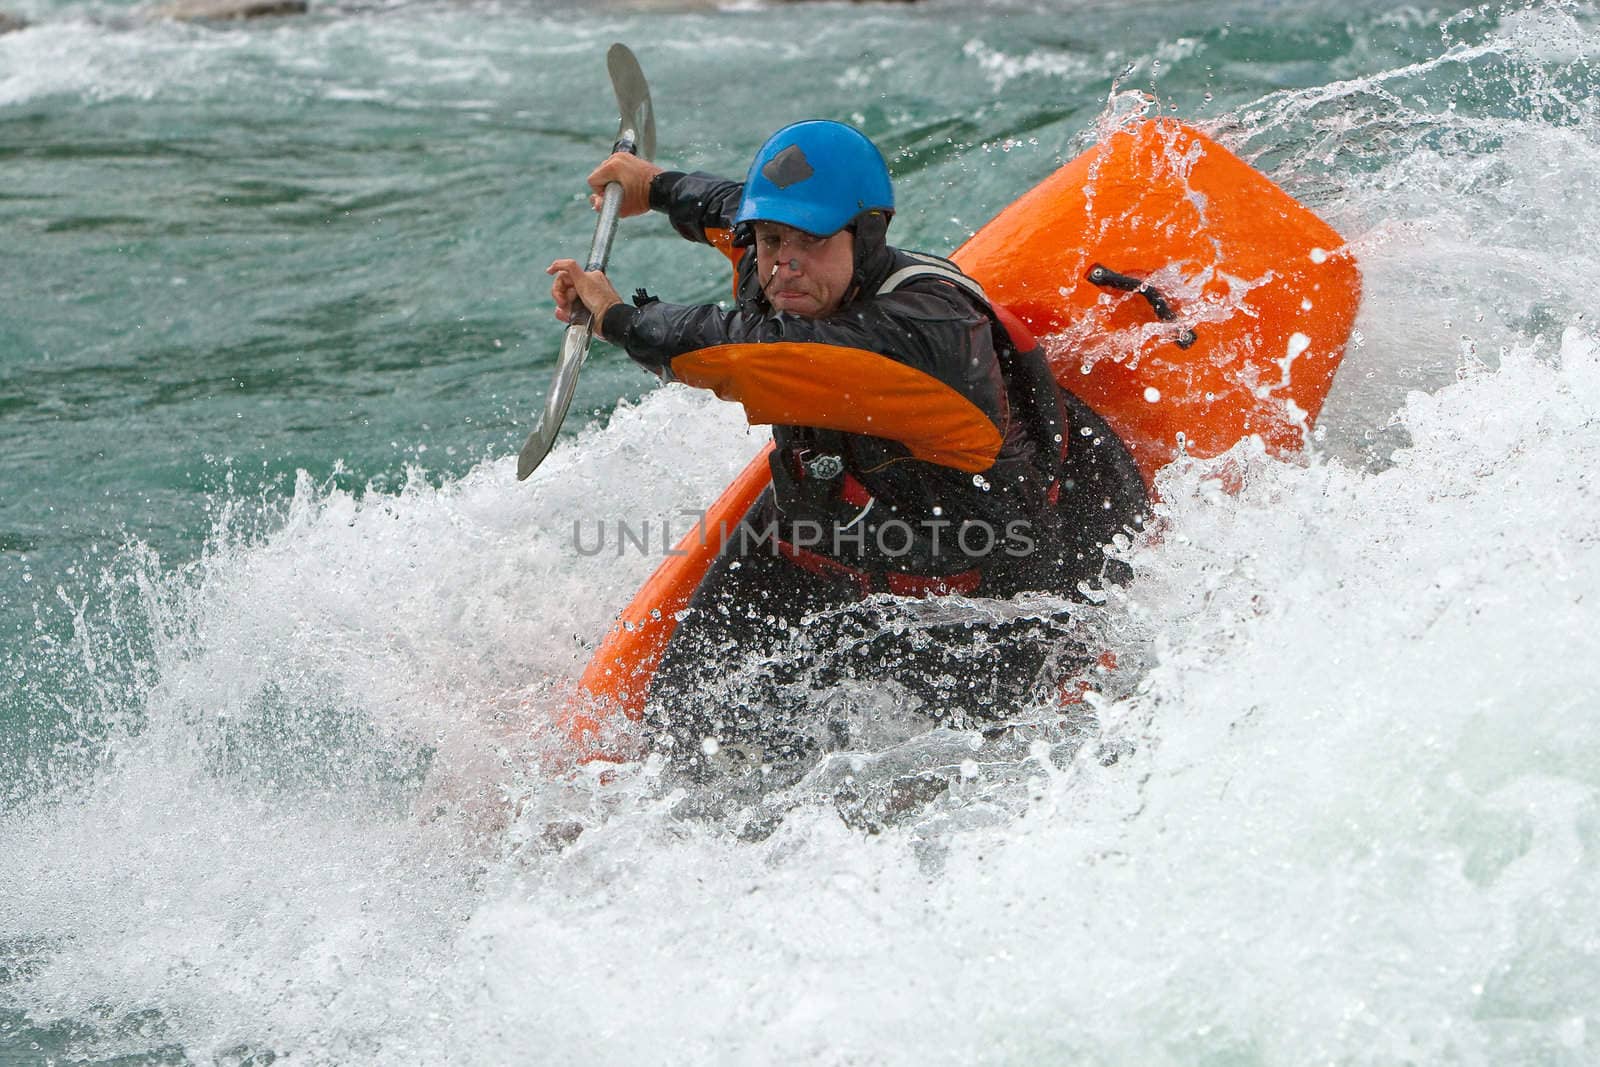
<point x="916" y="585"/>
<point x="852" y="492"/>
<point x="1024" y="341"/>
<point x="1021" y="336"/>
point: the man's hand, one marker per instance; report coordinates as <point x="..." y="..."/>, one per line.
<point x="633" y="174"/>
<point x="574" y="287"/>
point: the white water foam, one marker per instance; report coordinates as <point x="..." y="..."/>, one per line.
<point x="1462" y="185"/>
<point x="339" y="711"/>
<point x="1354" y="816"/>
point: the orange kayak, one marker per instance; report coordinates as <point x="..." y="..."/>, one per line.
<point x="1179" y="292"/>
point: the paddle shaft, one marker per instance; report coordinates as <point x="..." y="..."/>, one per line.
<point x="605" y="231"/>
<point x="574" y="343"/>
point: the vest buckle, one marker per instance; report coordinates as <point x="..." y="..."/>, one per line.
<point x="824" y="468"/>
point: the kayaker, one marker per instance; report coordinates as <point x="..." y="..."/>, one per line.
<point x="922" y="447"/>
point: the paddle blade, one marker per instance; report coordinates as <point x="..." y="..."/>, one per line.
<point x="574" y="349"/>
<point x="633" y="99"/>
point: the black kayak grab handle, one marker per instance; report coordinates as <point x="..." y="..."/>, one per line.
<point x="1107" y="278"/>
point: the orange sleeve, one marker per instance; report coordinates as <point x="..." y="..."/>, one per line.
<point x="850" y="389"/>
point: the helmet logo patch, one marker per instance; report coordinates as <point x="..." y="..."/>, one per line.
<point x="787" y="168"/>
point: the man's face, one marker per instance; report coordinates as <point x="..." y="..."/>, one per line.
<point x="802" y="274"/>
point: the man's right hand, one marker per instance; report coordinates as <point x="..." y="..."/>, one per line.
<point x="633" y="173"/>
<point x="575" y="287"/>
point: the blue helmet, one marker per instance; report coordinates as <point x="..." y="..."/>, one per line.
<point x="816" y="176"/>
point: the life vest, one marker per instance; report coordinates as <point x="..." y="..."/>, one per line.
<point x="1030" y="386"/>
<point x="812" y="480"/>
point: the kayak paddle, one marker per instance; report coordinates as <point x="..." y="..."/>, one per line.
<point x="637" y="134"/>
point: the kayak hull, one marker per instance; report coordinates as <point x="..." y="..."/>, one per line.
<point x="1268" y="289"/>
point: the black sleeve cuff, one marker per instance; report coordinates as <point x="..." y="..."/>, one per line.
<point x="616" y="321"/>
<point x="620" y="326"/>
<point x="661" y="189"/>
